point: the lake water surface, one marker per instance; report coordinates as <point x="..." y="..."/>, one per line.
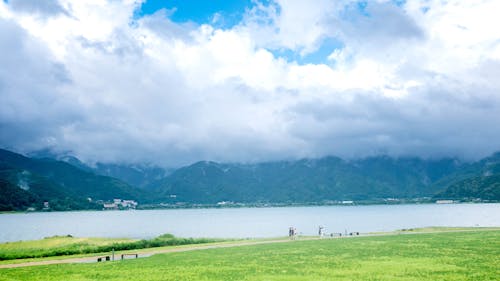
<point x="243" y="222"/>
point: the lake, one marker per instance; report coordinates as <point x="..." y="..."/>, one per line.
<point x="243" y="222"/>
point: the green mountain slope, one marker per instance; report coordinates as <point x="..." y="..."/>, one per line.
<point x="29" y="182"/>
<point x="307" y="180"/>
<point x="476" y="180"/>
<point x="12" y="197"/>
<point x="483" y="187"/>
<point x="138" y="175"/>
<point x="49" y="179"/>
<point x="20" y="189"/>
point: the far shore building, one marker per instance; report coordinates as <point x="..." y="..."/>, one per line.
<point x="445" y="202"/>
<point x="119" y="204"/>
<point x="109" y="206"/>
<point x="131" y="204"/>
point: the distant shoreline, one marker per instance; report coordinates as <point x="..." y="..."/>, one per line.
<point x="312" y="204"/>
<point x="265" y="205"/>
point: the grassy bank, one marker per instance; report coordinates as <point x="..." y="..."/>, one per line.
<point x="471" y="255"/>
<point x="67" y="245"/>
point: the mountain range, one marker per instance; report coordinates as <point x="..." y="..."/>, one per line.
<point x="67" y="183"/>
<point x="28" y="182"/>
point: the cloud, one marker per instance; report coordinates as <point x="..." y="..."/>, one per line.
<point x="44" y="8"/>
<point x="31" y="104"/>
<point x="294" y="25"/>
<point x="378" y="29"/>
<point x="430" y="122"/>
<point x="418" y="78"/>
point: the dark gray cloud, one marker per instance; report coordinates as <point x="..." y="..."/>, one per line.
<point x="31" y="106"/>
<point x="431" y="121"/>
<point x="379" y="30"/>
<point x="382" y="22"/>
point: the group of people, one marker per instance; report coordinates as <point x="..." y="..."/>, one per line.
<point x="292" y="232"/>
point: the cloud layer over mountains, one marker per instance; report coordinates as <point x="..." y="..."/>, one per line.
<point x="414" y="77"/>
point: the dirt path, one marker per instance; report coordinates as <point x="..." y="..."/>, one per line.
<point x="150" y="252"/>
<point x="147" y="253"/>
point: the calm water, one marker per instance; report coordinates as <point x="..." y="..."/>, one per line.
<point x="244" y="222"/>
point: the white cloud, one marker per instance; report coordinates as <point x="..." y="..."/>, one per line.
<point x="416" y="79"/>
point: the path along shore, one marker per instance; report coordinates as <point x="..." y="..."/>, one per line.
<point x="151" y="251"/>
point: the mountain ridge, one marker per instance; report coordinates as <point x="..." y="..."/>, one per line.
<point x="317" y="180"/>
<point x="306" y="180"/>
<point x="62" y="183"/>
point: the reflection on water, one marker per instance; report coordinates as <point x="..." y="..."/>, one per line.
<point x="244" y="222"/>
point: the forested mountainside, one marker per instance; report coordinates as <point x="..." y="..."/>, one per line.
<point x="29" y="182"/>
<point x="68" y="184"/>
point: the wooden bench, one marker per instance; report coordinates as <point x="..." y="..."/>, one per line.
<point x="132" y="255"/>
<point x="106" y="258"/>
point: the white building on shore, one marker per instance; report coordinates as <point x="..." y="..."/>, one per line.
<point x="119" y="204"/>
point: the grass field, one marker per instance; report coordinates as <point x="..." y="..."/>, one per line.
<point x="68" y="245"/>
<point x="472" y="255"/>
<point x="51" y="246"/>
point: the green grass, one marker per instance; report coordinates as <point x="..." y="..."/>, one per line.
<point x="431" y="229"/>
<point x="446" y="229"/>
<point x="67" y="245"/>
<point x="132" y="251"/>
<point x="54" y="246"/>
<point x="471" y="255"/>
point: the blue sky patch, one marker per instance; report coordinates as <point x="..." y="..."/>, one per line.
<point x="231" y="12"/>
<point x="328" y="45"/>
<point x="399" y="3"/>
<point x="362" y="8"/>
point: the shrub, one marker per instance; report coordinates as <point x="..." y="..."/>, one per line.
<point x="86" y="248"/>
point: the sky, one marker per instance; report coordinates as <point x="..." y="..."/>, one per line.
<point x="177" y="81"/>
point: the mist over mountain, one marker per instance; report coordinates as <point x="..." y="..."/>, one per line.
<point x="307" y="180"/>
<point x="69" y="182"/>
<point x="34" y="181"/>
<point x="139" y="175"/>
